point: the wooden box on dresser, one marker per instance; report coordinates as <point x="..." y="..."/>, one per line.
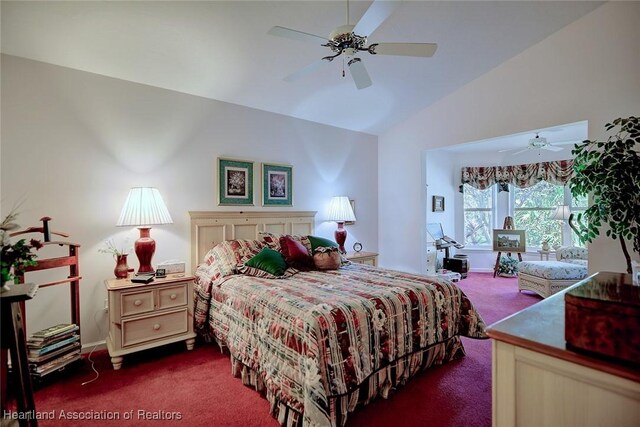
<point x="147" y="315"/>
<point x="369" y="258"/>
<point x="539" y="381"/>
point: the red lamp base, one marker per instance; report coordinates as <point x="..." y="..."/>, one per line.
<point x="341" y="237"/>
<point x="145" y="247"/>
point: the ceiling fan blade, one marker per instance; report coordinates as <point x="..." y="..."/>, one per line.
<point x="567" y="142"/>
<point x="296" y="35"/>
<point x="425" y="50"/>
<point x="374" y="16"/>
<point x="359" y="73"/>
<point x="552" y="148"/>
<point x="507" y="149"/>
<point x="521" y="151"/>
<point x="314" y="66"/>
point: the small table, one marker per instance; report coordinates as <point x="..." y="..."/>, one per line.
<point x="544" y="255"/>
<point x="147" y="315"/>
<point x="13" y="337"/>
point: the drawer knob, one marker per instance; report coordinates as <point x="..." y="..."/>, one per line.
<point x="173" y="296"/>
<point x="156" y="327"/>
<point x="137" y="302"/>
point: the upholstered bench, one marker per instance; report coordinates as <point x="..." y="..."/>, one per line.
<point x="548" y="277"/>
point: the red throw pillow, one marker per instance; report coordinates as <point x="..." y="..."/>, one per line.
<point x="295" y="253"/>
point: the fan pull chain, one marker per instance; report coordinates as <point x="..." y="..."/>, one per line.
<point x="343" y="73"/>
<point x="347" y="12"/>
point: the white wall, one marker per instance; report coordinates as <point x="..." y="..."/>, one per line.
<point x="589" y="70"/>
<point x="73" y="143"/>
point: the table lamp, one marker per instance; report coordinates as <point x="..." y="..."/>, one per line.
<point x="144" y="207"/>
<point x="562" y="213"/>
<point x="340" y="211"/>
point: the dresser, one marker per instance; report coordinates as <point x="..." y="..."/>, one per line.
<point x="538" y="381"/>
<point x="143" y="316"/>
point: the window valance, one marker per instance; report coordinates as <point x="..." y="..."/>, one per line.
<point x="522" y="176"/>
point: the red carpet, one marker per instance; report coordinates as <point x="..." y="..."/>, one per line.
<point x="172" y="386"/>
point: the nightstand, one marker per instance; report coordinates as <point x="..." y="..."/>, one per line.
<point x="369" y="258"/>
<point x="147" y="315"/>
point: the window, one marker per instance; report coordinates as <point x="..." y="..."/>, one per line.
<point x="478" y="216"/>
<point x="533" y="210"/>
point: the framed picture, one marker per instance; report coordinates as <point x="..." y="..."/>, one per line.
<point x="437" y="204"/>
<point x="509" y="240"/>
<point x="277" y="185"/>
<point x="235" y="182"/>
<point x="353" y="208"/>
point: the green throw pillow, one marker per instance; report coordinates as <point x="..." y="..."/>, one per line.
<point x="317" y="242"/>
<point x="270" y="261"/>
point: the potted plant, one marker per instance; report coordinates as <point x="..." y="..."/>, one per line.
<point x="121" y="271"/>
<point x="610" y="171"/>
<point x="14" y="257"/>
<point x="508" y="266"/>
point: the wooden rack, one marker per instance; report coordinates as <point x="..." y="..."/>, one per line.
<point x="71" y="261"/>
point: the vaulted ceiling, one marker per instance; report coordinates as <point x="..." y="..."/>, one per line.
<point x="221" y="50"/>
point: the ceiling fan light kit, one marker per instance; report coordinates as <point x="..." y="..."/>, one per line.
<point x="538" y="141"/>
<point x="347" y="40"/>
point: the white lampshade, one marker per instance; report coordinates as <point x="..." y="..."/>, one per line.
<point x="144" y="206"/>
<point x="562" y="213"/>
<point x="340" y="210"/>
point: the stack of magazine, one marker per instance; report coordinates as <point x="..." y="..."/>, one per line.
<point x="53" y="348"/>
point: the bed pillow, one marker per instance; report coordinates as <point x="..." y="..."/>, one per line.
<point x="317" y="242"/>
<point x="295" y="253"/>
<point x="273" y="240"/>
<point x="268" y="260"/>
<point x="327" y="258"/>
<point x="256" y="272"/>
<point x="270" y="240"/>
<point x="321" y="242"/>
<point x="225" y="257"/>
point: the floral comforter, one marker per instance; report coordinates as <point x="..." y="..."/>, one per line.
<point x="321" y="335"/>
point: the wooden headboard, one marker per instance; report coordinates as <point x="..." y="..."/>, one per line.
<point x="209" y="227"/>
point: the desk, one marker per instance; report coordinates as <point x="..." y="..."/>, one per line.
<point x="13" y="338"/>
<point x="444" y="245"/>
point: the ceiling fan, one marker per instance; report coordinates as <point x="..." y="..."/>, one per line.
<point x="349" y="40"/>
<point x="539" y="143"/>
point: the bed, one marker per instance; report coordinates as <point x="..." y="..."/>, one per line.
<point x="317" y="344"/>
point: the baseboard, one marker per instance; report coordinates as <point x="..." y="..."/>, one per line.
<point x="481" y="270"/>
<point x="93" y="346"/>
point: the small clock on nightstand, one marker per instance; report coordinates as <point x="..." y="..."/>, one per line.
<point x="357" y="246"/>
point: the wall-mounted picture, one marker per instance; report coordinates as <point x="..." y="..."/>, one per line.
<point x="235" y="182"/>
<point x="353" y="208"/>
<point x="437" y="203"/>
<point x="277" y="185"/>
<point x="509" y="240"/>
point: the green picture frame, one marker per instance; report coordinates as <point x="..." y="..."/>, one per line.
<point x="235" y="182"/>
<point x="277" y="185"/>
